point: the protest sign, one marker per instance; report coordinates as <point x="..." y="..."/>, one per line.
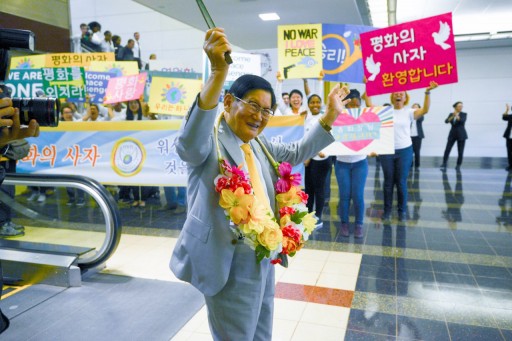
<point x="341" y="52"/>
<point x="64" y="82"/>
<point x="410" y="55"/>
<point x="122" y="89"/>
<point x="299" y="50"/>
<point x="172" y="96"/>
<point x="363" y="131"/>
<point x="96" y="85"/>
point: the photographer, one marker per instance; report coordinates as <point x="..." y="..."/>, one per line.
<point x="11" y="131"/>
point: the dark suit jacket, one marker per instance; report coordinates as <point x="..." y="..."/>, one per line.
<point x="458" y="131"/>
<point x="419" y="126"/>
<point x="509" y="126"/>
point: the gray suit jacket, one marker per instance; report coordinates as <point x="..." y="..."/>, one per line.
<point x="204" y="250"/>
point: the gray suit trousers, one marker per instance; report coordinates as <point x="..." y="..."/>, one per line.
<point x="243" y="309"/>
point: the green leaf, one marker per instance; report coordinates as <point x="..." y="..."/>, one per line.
<point x="297" y="217"/>
<point x="261" y="252"/>
<point x="284" y="260"/>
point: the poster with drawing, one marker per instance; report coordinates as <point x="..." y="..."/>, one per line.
<point x="363" y="131"/>
<point x="299" y="49"/>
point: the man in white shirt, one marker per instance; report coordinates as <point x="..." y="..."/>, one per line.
<point x="136" y="50"/>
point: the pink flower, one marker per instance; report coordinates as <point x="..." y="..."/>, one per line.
<point x="287" y="179"/>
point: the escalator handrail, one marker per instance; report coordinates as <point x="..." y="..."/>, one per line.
<point x="104" y="199"/>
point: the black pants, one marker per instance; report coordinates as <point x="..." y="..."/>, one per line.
<point x="316" y="173"/>
<point x="509" y="152"/>
<point x="416" y="146"/>
<point x="460" y="149"/>
<point x="5" y="209"/>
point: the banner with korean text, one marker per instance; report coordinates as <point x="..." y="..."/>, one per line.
<point x="125" y="153"/>
<point x="172" y="96"/>
<point x="341" y="52"/>
<point x="299" y="49"/>
<point x="363" y="131"/>
<point x="410" y="55"/>
<point x="59" y="60"/>
<point x="122" y="89"/>
<point x="64" y="82"/>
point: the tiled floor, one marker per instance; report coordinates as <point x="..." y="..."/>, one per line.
<point x="445" y="274"/>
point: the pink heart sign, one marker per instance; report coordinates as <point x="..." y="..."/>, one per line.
<point x="356" y="130"/>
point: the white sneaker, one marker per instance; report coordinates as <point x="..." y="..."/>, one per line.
<point x="42" y="198"/>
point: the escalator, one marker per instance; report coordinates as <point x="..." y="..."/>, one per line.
<point x="62" y="240"/>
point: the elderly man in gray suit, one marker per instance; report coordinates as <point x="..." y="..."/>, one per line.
<point x="239" y="290"/>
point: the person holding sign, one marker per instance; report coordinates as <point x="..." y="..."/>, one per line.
<point x="238" y="287"/>
<point x="396" y="166"/>
<point x="295" y="106"/>
<point x="458" y="134"/>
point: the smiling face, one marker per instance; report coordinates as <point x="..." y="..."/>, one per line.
<point x="286" y="99"/>
<point x="458" y="107"/>
<point x="315" y="105"/>
<point x="134" y="106"/>
<point x="67" y="114"/>
<point x="399" y="99"/>
<point x="295" y="101"/>
<point x="239" y="118"/>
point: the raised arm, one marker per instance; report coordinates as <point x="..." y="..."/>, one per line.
<point x="506" y="116"/>
<point x="367" y="99"/>
<point x="335" y="105"/>
<point x="279" y="93"/>
<point x="215" y="45"/>
<point x="426" y="102"/>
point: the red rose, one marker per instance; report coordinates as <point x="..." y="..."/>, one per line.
<point x="290" y="232"/>
<point x="286" y="210"/>
<point x="222" y="183"/>
<point x="303" y="196"/>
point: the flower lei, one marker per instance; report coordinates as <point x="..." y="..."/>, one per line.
<point x="270" y="237"/>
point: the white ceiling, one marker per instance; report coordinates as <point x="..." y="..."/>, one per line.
<point x="246" y="30"/>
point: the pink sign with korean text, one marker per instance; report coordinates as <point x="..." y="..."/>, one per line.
<point x="410" y="55"/>
<point x="122" y="89"/>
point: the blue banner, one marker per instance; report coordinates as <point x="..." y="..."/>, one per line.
<point x="125" y="153"/>
<point x="341" y="52"/>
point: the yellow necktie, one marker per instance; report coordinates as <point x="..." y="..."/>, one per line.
<point x="254" y="175"/>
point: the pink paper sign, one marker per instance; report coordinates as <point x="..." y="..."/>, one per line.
<point x="363" y="131"/>
<point x="128" y="88"/>
<point x="410" y="55"/>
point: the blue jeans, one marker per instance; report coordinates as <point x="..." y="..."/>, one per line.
<point x="178" y="198"/>
<point x="396" y="170"/>
<point x="351" y="179"/>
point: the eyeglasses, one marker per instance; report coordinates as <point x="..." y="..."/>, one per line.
<point x="255" y="108"/>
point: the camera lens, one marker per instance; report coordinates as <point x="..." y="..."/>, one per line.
<point x="44" y="110"/>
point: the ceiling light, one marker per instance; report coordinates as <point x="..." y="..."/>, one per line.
<point x="268" y="16"/>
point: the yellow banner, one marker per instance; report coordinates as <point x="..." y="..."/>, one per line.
<point x="300" y="50"/>
<point x="77" y="59"/>
<point x="35" y="61"/>
<point x="117" y="68"/>
<point x="172" y="96"/>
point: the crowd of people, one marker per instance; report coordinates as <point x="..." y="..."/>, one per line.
<point x="92" y="39"/>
